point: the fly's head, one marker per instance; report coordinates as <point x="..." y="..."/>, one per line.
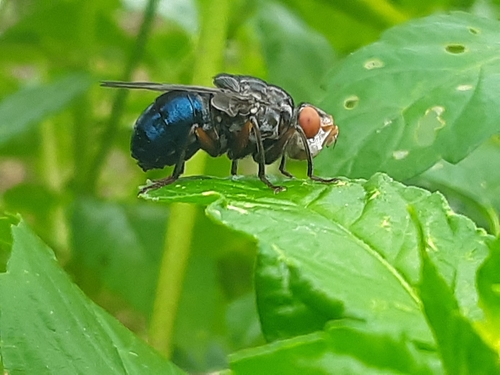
<point x="318" y="127"/>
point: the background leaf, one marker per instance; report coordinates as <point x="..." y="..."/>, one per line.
<point x="119" y="247"/>
<point x="425" y="92"/>
<point x="22" y="111"/>
<point x="471" y="190"/>
<point x="346" y="31"/>
<point x="290" y="46"/>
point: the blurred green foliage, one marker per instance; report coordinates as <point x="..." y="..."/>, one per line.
<point x="64" y="141"/>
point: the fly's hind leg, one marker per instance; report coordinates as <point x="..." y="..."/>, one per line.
<point x="178" y="170"/>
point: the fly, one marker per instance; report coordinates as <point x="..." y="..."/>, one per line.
<point x="240" y="116"/>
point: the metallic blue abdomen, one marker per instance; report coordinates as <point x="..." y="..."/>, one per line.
<point x="164" y="129"/>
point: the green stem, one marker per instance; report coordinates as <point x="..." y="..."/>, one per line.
<point x="118" y="106"/>
<point x="80" y="135"/>
<point x="82" y="119"/>
<point x="51" y="176"/>
<point x="211" y="45"/>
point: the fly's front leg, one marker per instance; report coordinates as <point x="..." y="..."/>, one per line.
<point x="310" y="167"/>
<point x="261" y="158"/>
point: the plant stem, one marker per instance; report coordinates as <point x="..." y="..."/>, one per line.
<point x="51" y="176"/>
<point x="179" y="234"/>
<point x="81" y="110"/>
<point x="118" y="106"/>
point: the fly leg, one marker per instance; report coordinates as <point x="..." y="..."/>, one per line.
<point x="278" y="148"/>
<point x="239" y="146"/>
<point x="234" y="167"/>
<point x="208" y="140"/>
<point x="282" y="167"/>
<point x="261" y="160"/>
<point x="178" y="170"/>
<point x="310" y="167"/>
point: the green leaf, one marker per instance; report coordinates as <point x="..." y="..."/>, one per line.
<point x="343" y="349"/>
<point x="120" y="247"/>
<point x="48" y="326"/>
<point x="6" y="241"/>
<point x="424" y="7"/>
<point x="289" y="45"/>
<point x="36" y="201"/>
<point x="44" y="33"/>
<point x="345" y="31"/>
<point x="220" y="270"/>
<point x="243" y="322"/>
<point x="22" y="111"/>
<point x="462" y="349"/>
<point x="488" y="283"/>
<point x="472" y="183"/>
<point x="377" y="14"/>
<point x="426" y="91"/>
<point x="344" y="251"/>
<point x="284" y="315"/>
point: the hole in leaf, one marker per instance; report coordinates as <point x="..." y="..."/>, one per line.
<point x="373" y="64"/>
<point x="400" y="154"/>
<point x="464" y="87"/>
<point x="429" y="125"/>
<point x="351" y="102"/>
<point x="473" y="30"/>
<point x="455" y="49"/>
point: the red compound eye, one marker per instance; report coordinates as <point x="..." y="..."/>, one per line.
<point x="309" y="121"/>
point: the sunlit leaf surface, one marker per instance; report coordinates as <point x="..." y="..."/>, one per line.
<point x="342" y="251"/>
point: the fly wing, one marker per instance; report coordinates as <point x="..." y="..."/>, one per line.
<point x="239" y="95"/>
<point x="234" y="94"/>
<point x="232" y="104"/>
<point x="223" y="98"/>
<point x="245" y="85"/>
<point x="163" y="87"/>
